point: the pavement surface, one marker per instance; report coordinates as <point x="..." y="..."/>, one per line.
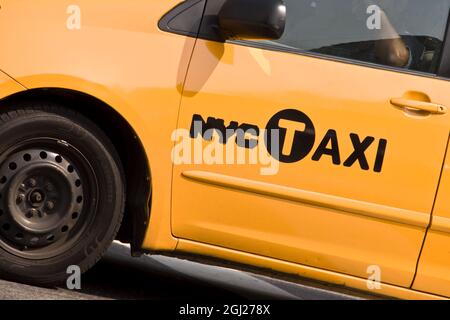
<point x="119" y="276"/>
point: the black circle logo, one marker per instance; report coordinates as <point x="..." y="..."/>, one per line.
<point x="290" y="136"/>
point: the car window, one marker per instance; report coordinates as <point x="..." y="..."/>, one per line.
<point x="397" y="33"/>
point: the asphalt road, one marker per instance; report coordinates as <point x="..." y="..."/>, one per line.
<point x="119" y="276"/>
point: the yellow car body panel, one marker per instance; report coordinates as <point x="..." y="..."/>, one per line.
<point x="433" y="272"/>
<point x="345" y="224"/>
<point x="9" y="86"/>
<point x="313" y="218"/>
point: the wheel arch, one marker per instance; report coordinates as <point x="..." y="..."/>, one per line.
<point x="127" y="143"/>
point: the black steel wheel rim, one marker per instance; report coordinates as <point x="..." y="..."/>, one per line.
<point x="47" y="197"/>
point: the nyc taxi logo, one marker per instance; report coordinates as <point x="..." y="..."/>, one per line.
<point x="289" y="137"/>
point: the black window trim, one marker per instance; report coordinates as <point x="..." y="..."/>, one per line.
<point x="444" y="65"/>
<point x="177" y="12"/>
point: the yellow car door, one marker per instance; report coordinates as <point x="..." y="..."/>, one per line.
<point x="324" y="147"/>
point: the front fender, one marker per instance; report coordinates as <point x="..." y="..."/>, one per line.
<point x="8" y="85"/>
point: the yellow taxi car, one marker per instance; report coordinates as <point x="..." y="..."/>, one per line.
<point x="308" y="137"/>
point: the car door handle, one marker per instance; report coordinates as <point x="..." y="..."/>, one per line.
<point x="430" y="107"/>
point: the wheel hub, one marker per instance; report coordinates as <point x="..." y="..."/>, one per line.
<point x="41" y="198"/>
<point x="36" y="198"/>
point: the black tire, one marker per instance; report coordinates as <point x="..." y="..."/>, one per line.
<point x="62" y="193"/>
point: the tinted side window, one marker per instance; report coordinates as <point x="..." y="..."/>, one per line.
<point x="397" y="33"/>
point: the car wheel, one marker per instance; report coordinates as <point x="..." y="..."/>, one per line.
<point x="61" y="193"/>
